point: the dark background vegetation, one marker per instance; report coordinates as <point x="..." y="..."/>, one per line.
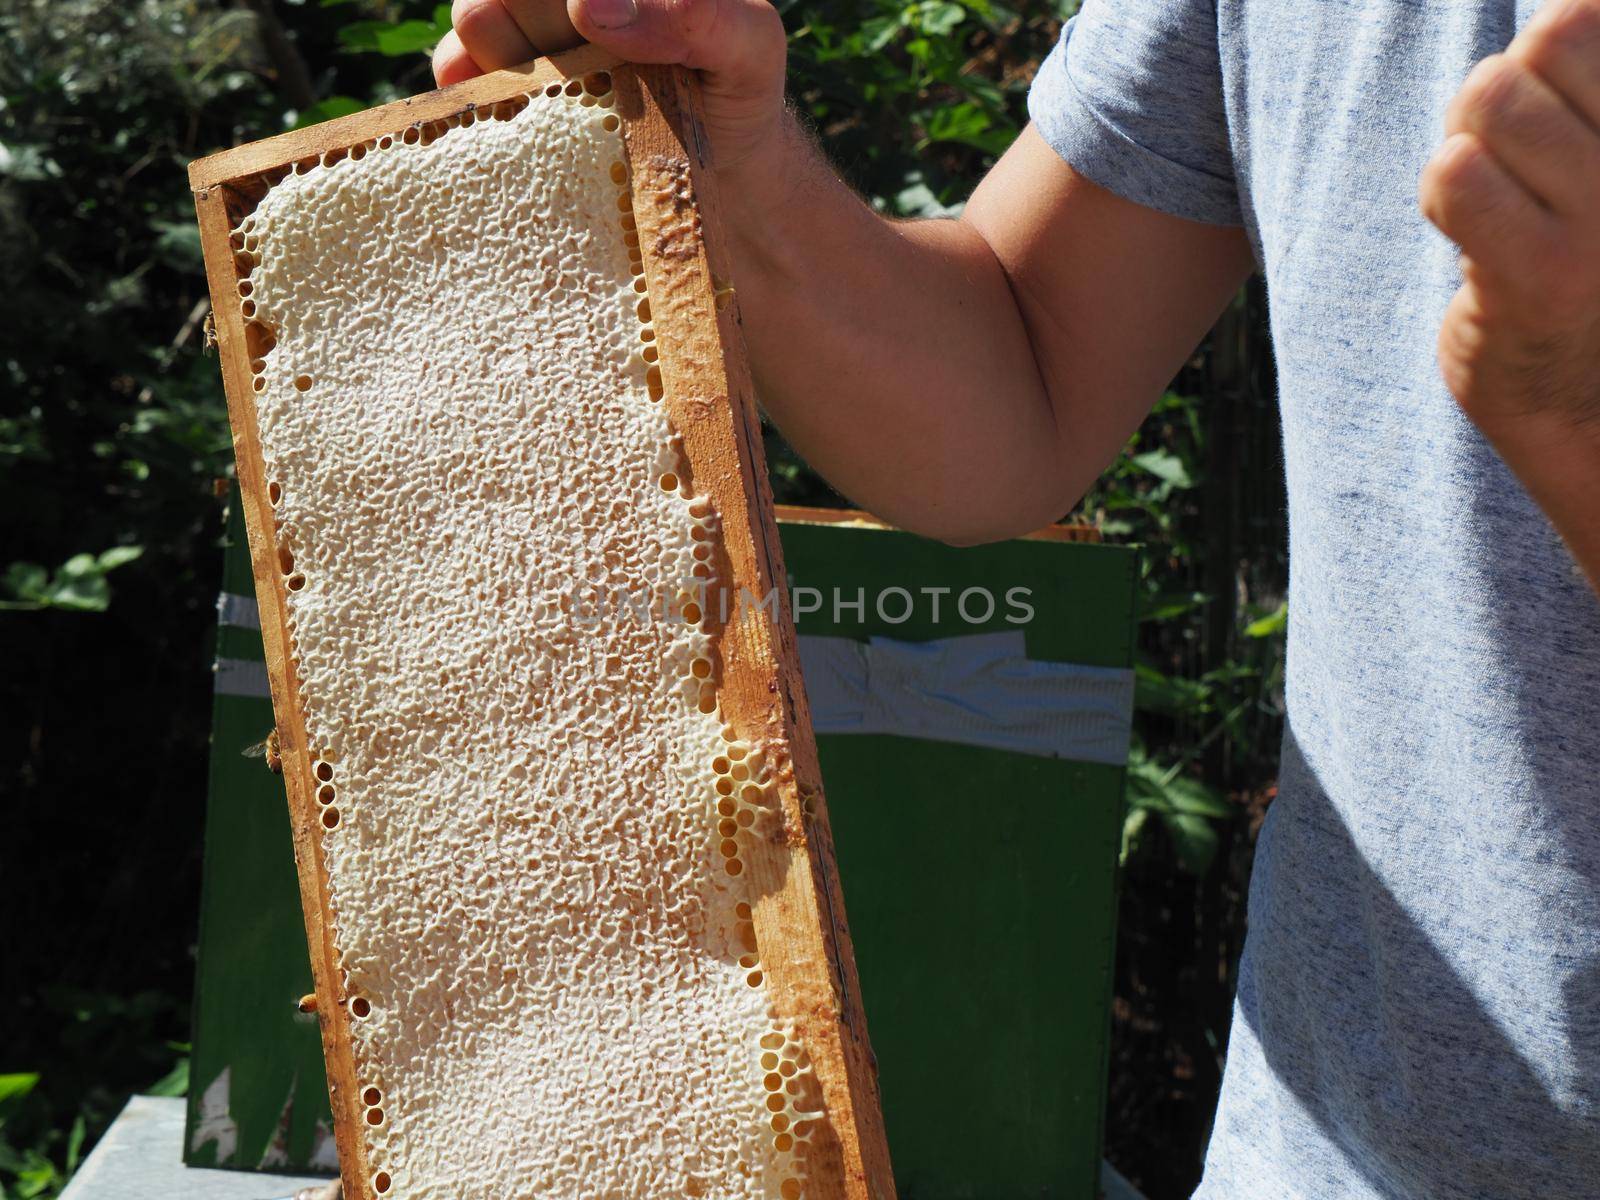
<point x="113" y="440"/>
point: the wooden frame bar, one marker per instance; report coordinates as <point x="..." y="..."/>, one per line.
<point x="799" y="913"/>
<point x="805" y="514"/>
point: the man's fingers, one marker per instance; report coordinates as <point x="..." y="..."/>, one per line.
<point x="1479" y="205"/>
<point x="492" y="39"/>
<point x="1532" y="131"/>
<point x="451" y="62"/>
<point x="545" y="24"/>
<point x="737" y="45"/>
<point x="1562" y="44"/>
<point x="1463" y="335"/>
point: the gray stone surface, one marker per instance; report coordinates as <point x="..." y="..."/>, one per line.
<point x="1114" y="1187"/>
<point x="140" y="1158"/>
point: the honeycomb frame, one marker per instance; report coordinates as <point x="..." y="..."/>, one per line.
<point x="700" y="371"/>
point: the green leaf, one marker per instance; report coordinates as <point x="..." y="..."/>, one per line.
<point x="14" y="1087"/>
<point x="877" y="33"/>
<point x="391" y="39"/>
<point x="80" y="1129"/>
<point x="118" y="556"/>
<point x="38" y="1177"/>
<point x="327" y="110"/>
<point x="410" y="37"/>
<point x="1155" y="692"/>
<point x="174" y="1083"/>
<point x="1168" y="468"/>
<point x="1167" y="605"/>
<point x="1194" y="839"/>
<point x="27" y="164"/>
<point x="940" y="20"/>
<point x="27" y="581"/>
<point x="78" y="585"/>
<point x="1187" y="808"/>
<point x="1188" y="795"/>
<point x="1270" y="625"/>
<point x="917" y="199"/>
<point x="969" y="124"/>
<point x="361" y="36"/>
<point x="1132" y="826"/>
<point x="1163" y="789"/>
<point x="86" y="593"/>
<point x="79" y="566"/>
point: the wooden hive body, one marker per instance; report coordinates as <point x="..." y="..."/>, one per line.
<point x="564" y="859"/>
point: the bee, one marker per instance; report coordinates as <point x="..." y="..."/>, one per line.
<point x="268" y="749"/>
<point x="208" y="331"/>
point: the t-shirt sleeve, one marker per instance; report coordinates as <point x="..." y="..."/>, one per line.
<point x="1131" y="97"/>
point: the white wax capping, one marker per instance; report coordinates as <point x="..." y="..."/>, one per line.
<point x="528" y="872"/>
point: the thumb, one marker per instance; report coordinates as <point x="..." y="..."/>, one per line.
<point x="737" y="46"/>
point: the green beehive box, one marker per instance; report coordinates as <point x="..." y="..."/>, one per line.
<point x="980" y="881"/>
<point x="258" y="1098"/>
<point x="974" y="778"/>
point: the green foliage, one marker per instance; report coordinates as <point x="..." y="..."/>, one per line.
<point x="394" y="39"/>
<point x="111" y="431"/>
<point x="78" y="585"/>
<point x="109" y="1047"/>
<point x="1187" y="807"/>
<point x="107" y="426"/>
<point x="1152" y="495"/>
<point x="915" y="100"/>
<point x="33" y="1173"/>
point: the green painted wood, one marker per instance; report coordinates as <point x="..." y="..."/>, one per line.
<point x="252" y="963"/>
<point x="980" y="884"/>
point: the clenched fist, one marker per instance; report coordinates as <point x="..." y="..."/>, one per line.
<point x="1516" y="185"/>
<point x="737" y="46"/>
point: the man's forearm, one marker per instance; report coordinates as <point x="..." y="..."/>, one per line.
<point x="891" y="354"/>
<point x="1559" y="463"/>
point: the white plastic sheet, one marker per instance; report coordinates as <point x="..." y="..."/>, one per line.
<point x="980" y="690"/>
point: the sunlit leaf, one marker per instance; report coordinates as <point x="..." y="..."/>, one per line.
<point x="1158" y="692"/>
<point x="174" y="1083"/>
<point x="14" y="1087"/>
<point x="940" y="20"/>
<point x="1270" y="625"/>
<point x="118" y="556"/>
<point x="1168" y="605"/>
<point x="1167" y="467"/>
<point x="80" y="1129"/>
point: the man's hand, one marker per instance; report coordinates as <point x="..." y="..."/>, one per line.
<point x="737" y="46"/>
<point x="1516" y="185"/>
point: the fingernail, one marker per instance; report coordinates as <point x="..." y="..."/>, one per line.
<point x="611" y="14"/>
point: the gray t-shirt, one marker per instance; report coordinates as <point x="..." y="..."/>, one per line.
<point x="1418" y="1014"/>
